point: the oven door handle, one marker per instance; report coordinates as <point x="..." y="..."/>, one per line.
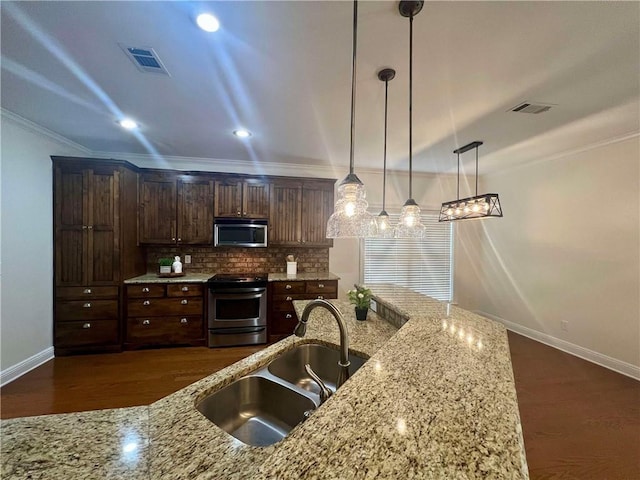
<point x="235" y="292"/>
<point x="237" y="330"/>
<point x="237" y="296"/>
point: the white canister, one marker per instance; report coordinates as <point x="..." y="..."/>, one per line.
<point x="292" y="268"/>
<point x="177" y="265"/>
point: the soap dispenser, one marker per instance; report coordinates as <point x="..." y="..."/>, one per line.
<point x="177" y="265"/>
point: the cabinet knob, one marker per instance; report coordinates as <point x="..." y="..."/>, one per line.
<point x="238" y="213"/>
<point x="173" y="239"/>
<point x="86" y="325"/>
<point x="179" y="239"/>
<point x="84" y="227"/>
<point x="184" y="320"/>
<point x="89" y="227"/>
<point x="185" y="289"/>
<point x="145" y="290"/>
<point x="244" y="213"/>
<point x="146" y="322"/>
<point x="288" y="315"/>
<point x="184" y="302"/>
<point x="287" y="286"/>
<point x="289" y="299"/>
<point x="146" y="302"/>
<point x="320" y="297"/>
<point x="87" y="291"/>
<point x="86" y="305"/>
<point x="321" y="285"/>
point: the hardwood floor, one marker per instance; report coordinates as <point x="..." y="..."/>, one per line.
<point x="580" y="421"/>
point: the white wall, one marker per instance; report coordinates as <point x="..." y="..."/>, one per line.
<point x="26" y="239"/>
<point x="567" y="249"/>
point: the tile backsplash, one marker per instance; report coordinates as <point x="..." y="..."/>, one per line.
<point x="241" y="260"/>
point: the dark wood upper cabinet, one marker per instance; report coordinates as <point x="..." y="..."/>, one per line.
<point x="241" y="197"/>
<point x="195" y="211"/>
<point x="299" y="212"/>
<point x="175" y="209"/>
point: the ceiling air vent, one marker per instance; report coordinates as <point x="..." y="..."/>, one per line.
<point x="532" y="107"/>
<point x="145" y="59"/>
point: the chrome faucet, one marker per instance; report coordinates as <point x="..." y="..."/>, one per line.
<point x="301" y="330"/>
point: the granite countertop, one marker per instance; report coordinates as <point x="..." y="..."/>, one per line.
<point x="282" y="277"/>
<point x="436" y="400"/>
<point x="203" y="277"/>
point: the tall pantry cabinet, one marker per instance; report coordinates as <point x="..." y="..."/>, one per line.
<point x="95" y="249"/>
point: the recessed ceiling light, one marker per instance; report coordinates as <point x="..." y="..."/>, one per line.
<point x="242" y="133"/>
<point x="208" y="22"/>
<point x="128" y="124"/>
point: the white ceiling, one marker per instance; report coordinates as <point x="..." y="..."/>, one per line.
<point x="283" y="70"/>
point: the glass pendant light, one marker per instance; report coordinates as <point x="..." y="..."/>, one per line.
<point x="410" y="223"/>
<point x="350" y="217"/>
<point x="385" y="229"/>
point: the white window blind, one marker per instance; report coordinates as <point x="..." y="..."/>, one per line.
<point x="424" y="265"/>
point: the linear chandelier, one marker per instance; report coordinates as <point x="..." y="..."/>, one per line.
<point x="476" y="207"/>
<point x="350" y="217"/>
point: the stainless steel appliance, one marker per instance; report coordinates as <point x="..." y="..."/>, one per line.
<point x="239" y="232"/>
<point x="237" y="310"/>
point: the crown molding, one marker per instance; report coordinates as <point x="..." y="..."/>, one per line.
<point x="39" y="129"/>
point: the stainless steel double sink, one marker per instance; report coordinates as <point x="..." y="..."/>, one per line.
<point x="262" y="407"/>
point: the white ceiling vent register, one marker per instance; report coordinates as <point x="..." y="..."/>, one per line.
<point x="145" y="59"/>
<point x="530" y="107"/>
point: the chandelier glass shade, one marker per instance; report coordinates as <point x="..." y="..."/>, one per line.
<point x="476" y="207"/>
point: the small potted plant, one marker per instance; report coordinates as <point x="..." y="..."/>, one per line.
<point x="165" y="265"/>
<point x="361" y="298"/>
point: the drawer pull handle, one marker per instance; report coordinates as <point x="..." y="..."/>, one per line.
<point x="321" y="285"/>
<point x="289" y="299"/>
<point x="288" y="315"/>
<point x="146" y="322"/>
<point x="184" y="302"/>
<point x="86" y="305"/>
<point x="185" y="289"/>
<point x="87" y="291"/>
<point x="146" y="302"/>
<point x="184" y="320"/>
<point x="145" y="290"/>
<point x="86" y="325"/>
<point x="320" y="297"/>
<point x="288" y="287"/>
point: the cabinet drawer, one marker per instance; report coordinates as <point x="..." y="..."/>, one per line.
<point x="164" y="330"/>
<point x="288" y="287"/>
<point x="327" y="287"/>
<point x="184" y="290"/>
<point x="76" y="310"/>
<point x="164" y="306"/>
<point x="282" y="323"/>
<point x="85" y="333"/>
<point x="149" y="290"/>
<point x="281" y="303"/>
<point x="81" y="293"/>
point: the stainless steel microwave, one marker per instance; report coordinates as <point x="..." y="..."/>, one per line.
<point x="239" y="232"/>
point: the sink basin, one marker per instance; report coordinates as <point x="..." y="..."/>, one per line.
<point x="255" y="410"/>
<point x="323" y="360"/>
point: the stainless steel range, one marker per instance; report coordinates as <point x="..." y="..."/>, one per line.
<point x="237" y="311"/>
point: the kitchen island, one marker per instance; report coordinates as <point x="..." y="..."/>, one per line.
<point x="436" y="400"/>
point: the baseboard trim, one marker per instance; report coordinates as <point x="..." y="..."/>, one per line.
<point x="598" y="358"/>
<point x="19" y="369"/>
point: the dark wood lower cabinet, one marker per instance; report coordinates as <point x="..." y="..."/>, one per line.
<point x="282" y="318"/>
<point x="164" y="315"/>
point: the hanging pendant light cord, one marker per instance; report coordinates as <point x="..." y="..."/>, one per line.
<point x="353" y="85"/>
<point x="384" y="162"/>
<point x="410" y="100"/>
<point x="458" y="189"/>
<point x="476" y="171"/>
